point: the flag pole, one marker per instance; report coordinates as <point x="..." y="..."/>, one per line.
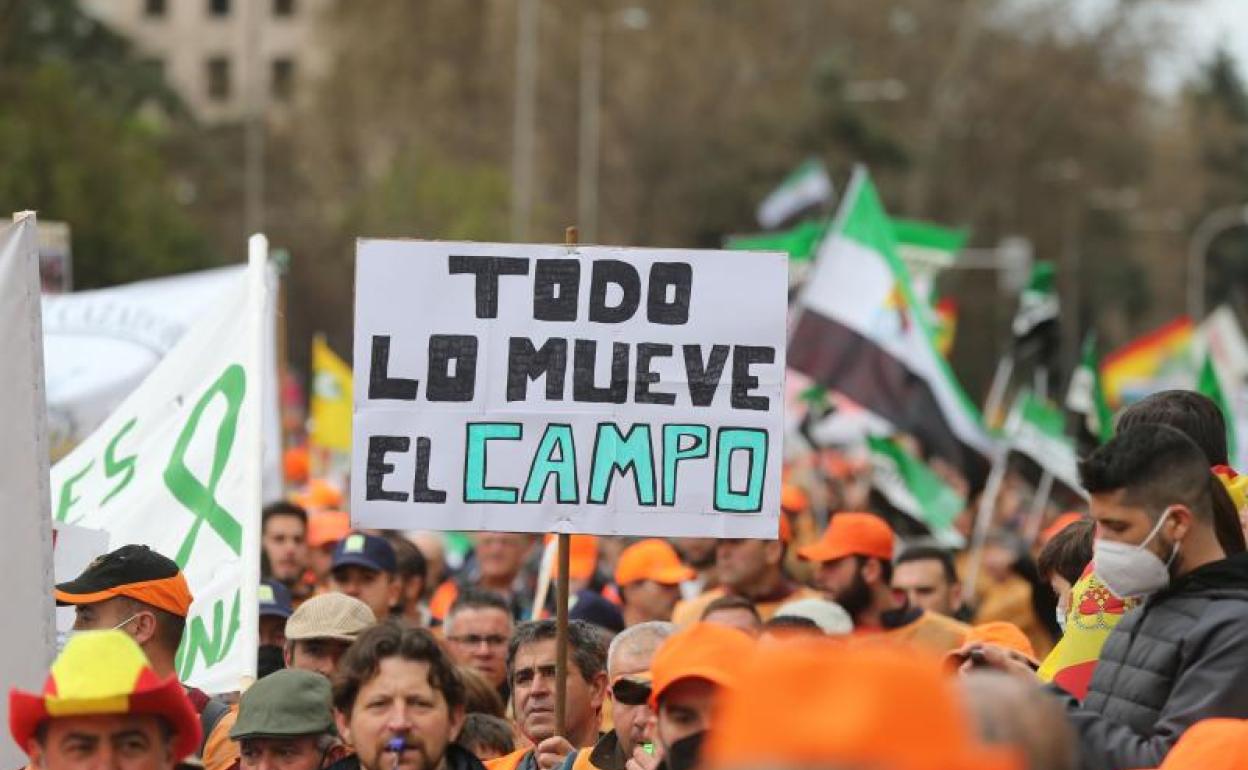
<point x="252" y="445"/>
<point x="1000" y="383"/>
<point x="561" y="600"/>
<point x="1035" y="516"/>
<point x="983" y="518"/>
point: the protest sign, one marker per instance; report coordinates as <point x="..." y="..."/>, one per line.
<point x="177" y="467"/>
<point x="26" y="548"/>
<point x="540" y="388"/>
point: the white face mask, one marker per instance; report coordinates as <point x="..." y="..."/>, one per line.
<point x="1133" y="570"/>
<point x="63" y="637"/>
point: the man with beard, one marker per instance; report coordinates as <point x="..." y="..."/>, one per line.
<point x="753" y="569"/>
<point x="531" y="666"/>
<point x="399" y="703"/>
<point x="854" y="561"/>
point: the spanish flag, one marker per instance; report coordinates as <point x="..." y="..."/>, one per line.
<point x="331" y="398"/>
<point x="1142" y="362"/>
<point x="1094" y="611"/>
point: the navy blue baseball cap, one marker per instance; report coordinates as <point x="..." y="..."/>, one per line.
<point x="592" y="608"/>
<point x="368" y="551"/>
<point x="274" y="599"/>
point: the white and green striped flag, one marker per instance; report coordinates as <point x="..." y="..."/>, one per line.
<point x="1037" y="430"/>
<point x="1210" y="384"/>
<point x="911" y="486"/>
<point x="808" y="187"/>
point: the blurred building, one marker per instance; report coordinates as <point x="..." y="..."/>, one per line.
<point x="224" y="56"/>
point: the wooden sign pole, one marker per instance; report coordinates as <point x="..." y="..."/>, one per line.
<point x="561" y="604"/>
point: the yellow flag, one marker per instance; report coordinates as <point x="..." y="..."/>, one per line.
<point x="331" y="398"/>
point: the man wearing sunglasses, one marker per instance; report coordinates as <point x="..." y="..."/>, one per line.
<point x="628" y="670"/>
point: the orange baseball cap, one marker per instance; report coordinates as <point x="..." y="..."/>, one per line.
<point x="295" y="464"/>
<point x="582" y="556"/>
<point x="892" y="709"/>
<point x="793" y="499"/>
<point x="1210" y="744"/>
<point x="1059" y="524"/>
<point x="319" y="495"/>
<point x="1002" y="634"/>
<point x="651" y="559"/>
<point x="701" y="651"/>
<point x="327" y="527"/>
<point x="102" y="673"/>
<point x="852" y="534"/>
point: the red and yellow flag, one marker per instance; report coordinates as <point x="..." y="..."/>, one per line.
<point x="1094" y="611"/>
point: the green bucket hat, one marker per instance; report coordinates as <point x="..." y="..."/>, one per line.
<point x="285" y="704"/>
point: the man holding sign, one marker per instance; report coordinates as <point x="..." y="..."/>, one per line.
<point x="549" y="388"/>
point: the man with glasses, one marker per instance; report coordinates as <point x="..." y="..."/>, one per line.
<point x="478" y="628"/>
<point x="628" y="670"/>
<point x="285" y="723"/>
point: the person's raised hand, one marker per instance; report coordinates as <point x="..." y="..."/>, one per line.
<point x="551" y="752"/>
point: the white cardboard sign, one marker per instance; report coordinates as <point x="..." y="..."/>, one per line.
<point x="544" y="388"/>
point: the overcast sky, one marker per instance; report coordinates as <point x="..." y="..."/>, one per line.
<point x="1208" y="24"/>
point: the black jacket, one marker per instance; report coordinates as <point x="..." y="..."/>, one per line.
<point x="457" y="758"/>
<point x="1180" y="657"/>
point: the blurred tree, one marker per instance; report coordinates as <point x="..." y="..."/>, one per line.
<point x="82" y="139"/>
<point x="1219" y="103"/>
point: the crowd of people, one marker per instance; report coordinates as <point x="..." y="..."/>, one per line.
<point x="1114" y="641"/>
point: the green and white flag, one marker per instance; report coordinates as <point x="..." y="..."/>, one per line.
<point x="808" y="187"/>
<point x="1210" y="384"/>
<point x="862" y="331"/>
<point x="1086" y="397"/>
<point x="800" y="241"/>
<point x="927" y="249"/>
<point x="1037" y="430"/>
<point x="177" y="467"/>
<point x="911" y="486"/>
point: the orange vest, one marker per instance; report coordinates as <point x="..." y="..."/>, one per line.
<point x="509" y="762"/>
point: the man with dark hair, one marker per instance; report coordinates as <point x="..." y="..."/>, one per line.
<point x="399" y="702"/>
<point x="735" y="612"/>
<point x="284" y="534"/>
<point x="1064" y="559"/>
<point x="412" y="573"/>
<point x="1180" y="657"/>
<point x="477" y="629"/>
<point x="1199" y="418"/>
<point x="487" y="736"/>
<point x="855" y="570"/>
<point x="929" y="579"/>
<point x="143" y="593"/>
<point x="531" y="668"/>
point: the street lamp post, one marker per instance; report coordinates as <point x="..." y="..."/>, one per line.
<point x="1209" y="228"/>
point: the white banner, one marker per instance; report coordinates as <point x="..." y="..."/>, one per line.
<point x="100" y="344"/>
<point x="26" y="547"/>
<point x="532" y="388"/>
<point x="177" y="467"/>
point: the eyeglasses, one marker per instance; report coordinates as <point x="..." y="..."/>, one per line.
<point x="630" y="692"/>
<point x="476" y="640"/>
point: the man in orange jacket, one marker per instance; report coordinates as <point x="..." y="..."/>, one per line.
<point x="855" y="560"/>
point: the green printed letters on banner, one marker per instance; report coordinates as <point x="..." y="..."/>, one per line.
<point x="200" y="499"/>
<point x="114" y="467"/>
<point x="612" y="452"/>
<point x="211" y="645"/>
<point x="556" y="440"/>
<point x="673" y="453"/>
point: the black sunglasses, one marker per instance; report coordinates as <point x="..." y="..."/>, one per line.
<point x="629" y="692"/>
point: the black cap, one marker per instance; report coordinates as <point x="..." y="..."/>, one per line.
<point x="132" y="570"/>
